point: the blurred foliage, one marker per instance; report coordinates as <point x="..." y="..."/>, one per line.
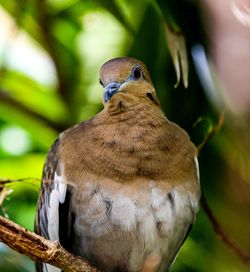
<point x="49" y="61"/>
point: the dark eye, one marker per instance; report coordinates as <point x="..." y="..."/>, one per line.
<point x="137" y="73"/>
<point x="101" y="82"/>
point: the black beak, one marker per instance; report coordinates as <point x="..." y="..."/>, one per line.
<point x="111" y="89"/>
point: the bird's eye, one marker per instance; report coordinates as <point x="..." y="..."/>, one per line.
<point x="101" y="82"/>
<point x="137" y="73"/>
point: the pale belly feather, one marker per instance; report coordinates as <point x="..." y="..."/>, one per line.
<point x="120" y="231"/>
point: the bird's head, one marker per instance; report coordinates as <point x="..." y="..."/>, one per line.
<point x="126" y="81"/>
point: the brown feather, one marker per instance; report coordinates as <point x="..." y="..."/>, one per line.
<point x="124" y="144"/>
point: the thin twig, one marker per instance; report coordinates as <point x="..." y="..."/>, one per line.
<point x="39" y="249"/>
<point x="6" y="190"/>
<point x="241" y="253"/>
<point x="10" y="182"/>
<point x="218" y="229"/>
<point x="211" y="133"/>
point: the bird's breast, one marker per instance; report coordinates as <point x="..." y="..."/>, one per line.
<point x="125" y="223"/>
<point x="125" y="150"/>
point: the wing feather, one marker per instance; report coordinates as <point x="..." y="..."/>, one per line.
<point x="52" y="218"/>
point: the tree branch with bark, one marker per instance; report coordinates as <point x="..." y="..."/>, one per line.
<point x="39" y="249"/>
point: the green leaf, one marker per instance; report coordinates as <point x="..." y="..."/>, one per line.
<point x="39" y="98"/>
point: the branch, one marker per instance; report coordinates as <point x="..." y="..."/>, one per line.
<point x="242" y="254"/>
<point x="39" y="249"/>
<point x="211" y="133"/>
<point x="34" y="246"/>
<point x="7" y="99"/>
<point x="218" y="229"/>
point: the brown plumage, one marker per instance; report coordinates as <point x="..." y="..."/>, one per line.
<point x="123" y="186"/>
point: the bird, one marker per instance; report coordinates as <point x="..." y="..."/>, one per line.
<point x="121" y="189"/>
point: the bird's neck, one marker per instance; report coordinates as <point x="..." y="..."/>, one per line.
<point x="139" y="136"/>
<point x="131" y="110"/>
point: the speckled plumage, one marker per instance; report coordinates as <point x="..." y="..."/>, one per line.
<point x="125" y="183"/>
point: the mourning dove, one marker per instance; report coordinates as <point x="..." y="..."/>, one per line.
<point x="121" y="189"/>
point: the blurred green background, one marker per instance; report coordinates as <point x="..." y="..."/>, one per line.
<point x="50" y="54"/>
